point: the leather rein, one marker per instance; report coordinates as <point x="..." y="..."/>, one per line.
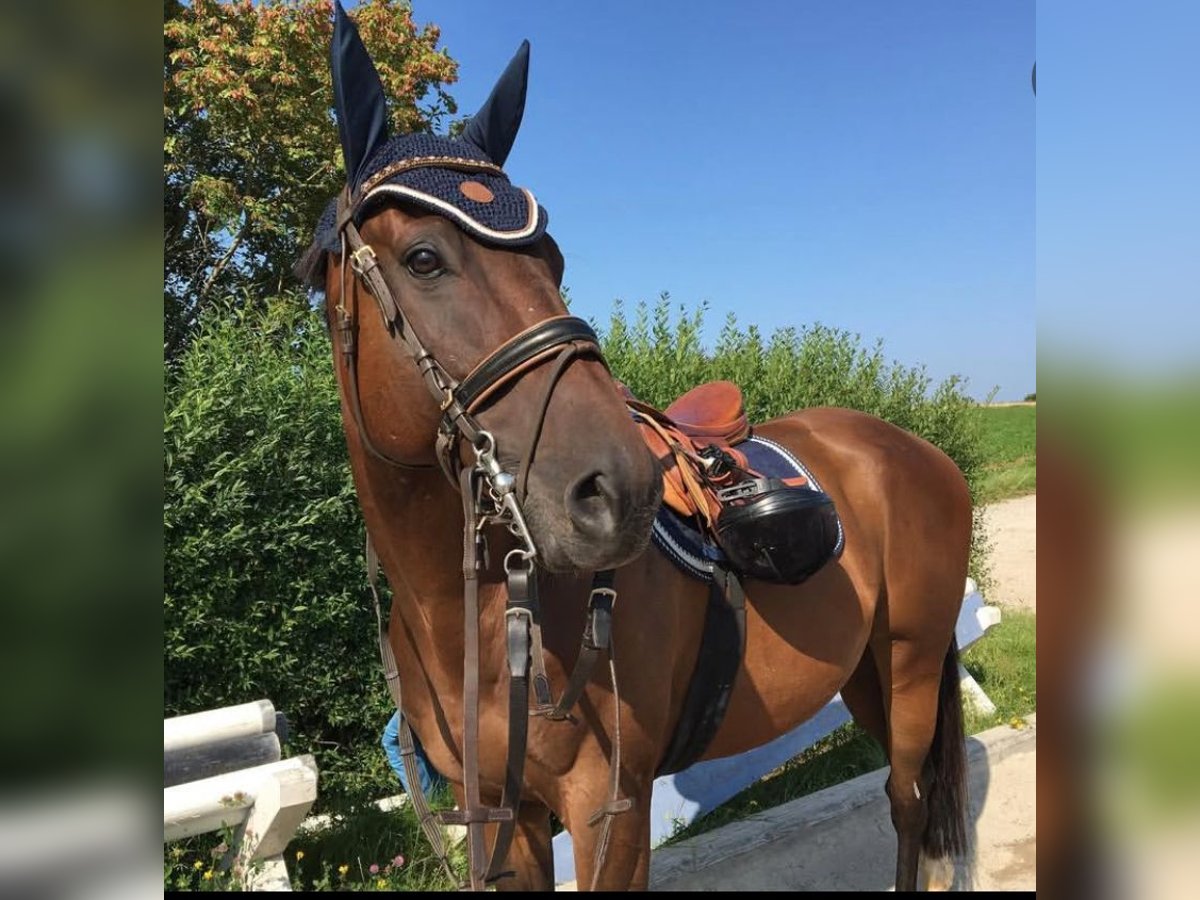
<point x="491" y="496"/>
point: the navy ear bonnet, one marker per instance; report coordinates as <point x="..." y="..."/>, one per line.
<point x="460" y="179"/>
<point x="463" y="185"/>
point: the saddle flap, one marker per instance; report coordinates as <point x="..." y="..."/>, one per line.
<point x="712" y="412"/>
<point x="681" y="490"/>
<point x="718" y="417"/>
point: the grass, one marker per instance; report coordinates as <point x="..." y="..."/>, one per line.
<point x="337" y="858"/>
<point x="1005" y="665"/>
<point x="341" y="856"/>
<point x="1010" y="446"/>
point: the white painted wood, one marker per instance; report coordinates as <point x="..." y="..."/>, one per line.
<point x="280" y="806"/>
<point x="973" y="693"/>
<point x="211" y="803"/>
<point x="988" y="616"/>
<point x="267" y="875"/>
<point x="975" y="617"/>
<point x="455" y="834"/>
<point x="243" y="720"/>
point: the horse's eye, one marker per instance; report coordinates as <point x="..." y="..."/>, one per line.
<point x="423" y="262"/>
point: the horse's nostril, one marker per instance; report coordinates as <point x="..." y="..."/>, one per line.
<point x="591" y="504"/>
<point x="589" y="487"/>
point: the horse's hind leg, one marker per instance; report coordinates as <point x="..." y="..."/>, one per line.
<point x="924" y="747"/>
<point x="869" y="699"/>
<point x="864" y="696"/>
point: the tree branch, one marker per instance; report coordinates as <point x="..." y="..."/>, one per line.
<point x="223" y="261"/>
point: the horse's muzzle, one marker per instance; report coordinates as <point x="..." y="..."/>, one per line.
<point x="603" y="518"/>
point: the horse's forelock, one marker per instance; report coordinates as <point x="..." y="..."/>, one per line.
<point x="310" y="268"/>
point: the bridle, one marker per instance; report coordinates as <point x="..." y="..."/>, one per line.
<point x="564" y="337"/>
<point x="491" y="496"/>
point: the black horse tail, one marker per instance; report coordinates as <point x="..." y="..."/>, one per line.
<point x="946" y="826"/>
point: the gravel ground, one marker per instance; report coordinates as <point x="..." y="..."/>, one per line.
<point x="1012" y="528"/>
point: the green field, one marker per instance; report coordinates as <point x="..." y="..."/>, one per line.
<point x="1010" y="446"/>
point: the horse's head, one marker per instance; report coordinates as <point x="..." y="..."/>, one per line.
<point x="466" y="259"/>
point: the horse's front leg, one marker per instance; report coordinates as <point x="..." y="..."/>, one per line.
<point x="530" y="858"/>
<point x="626" y="858"/>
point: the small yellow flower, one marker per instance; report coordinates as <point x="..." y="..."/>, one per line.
<point x="208" y="875"/>
<point x="197" y="865"/>
<point x="382" y="883"/>
<point x="343" y="869"/>
<point x="299" y="855"/>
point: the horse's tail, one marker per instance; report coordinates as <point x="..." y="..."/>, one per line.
<point x="946" y="827"/>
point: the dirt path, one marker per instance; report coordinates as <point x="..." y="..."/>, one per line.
<point x="1012" y="528"/>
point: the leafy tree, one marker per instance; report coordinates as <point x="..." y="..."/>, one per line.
<point x="250" y="148"/>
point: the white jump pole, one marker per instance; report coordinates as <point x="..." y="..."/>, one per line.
<point x="243" y="720"/>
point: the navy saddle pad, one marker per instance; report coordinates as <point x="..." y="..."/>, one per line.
<point x="682" y="541"/>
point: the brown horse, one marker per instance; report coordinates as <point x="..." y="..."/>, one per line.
<point x="876" y="624"/>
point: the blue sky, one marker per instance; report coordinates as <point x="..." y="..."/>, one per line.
<point x="1118" y="145"/>
<point x="866" y="165"/>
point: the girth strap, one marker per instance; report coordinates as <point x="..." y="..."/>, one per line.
<point x="722" y="645"/>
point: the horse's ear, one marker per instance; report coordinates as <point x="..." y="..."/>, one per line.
<point x="357" y="97"/>
<point x="494" y="128"/>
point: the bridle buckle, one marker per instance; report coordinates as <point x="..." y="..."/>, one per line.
<point x="363" y="259"/>
<point x="519" y="612"/>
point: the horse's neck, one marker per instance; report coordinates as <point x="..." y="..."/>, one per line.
<point x="419" y="535"/>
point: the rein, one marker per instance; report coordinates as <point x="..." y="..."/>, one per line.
<point x="490" y="496"/>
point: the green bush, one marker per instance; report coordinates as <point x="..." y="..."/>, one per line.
<point x="659" y="358"/>
<point x="265" y="589"/>
<point x="263" y="543"/>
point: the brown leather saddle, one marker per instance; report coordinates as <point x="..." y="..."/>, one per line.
<point x="779" y="529"/>
<point x="695" y="439"/>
